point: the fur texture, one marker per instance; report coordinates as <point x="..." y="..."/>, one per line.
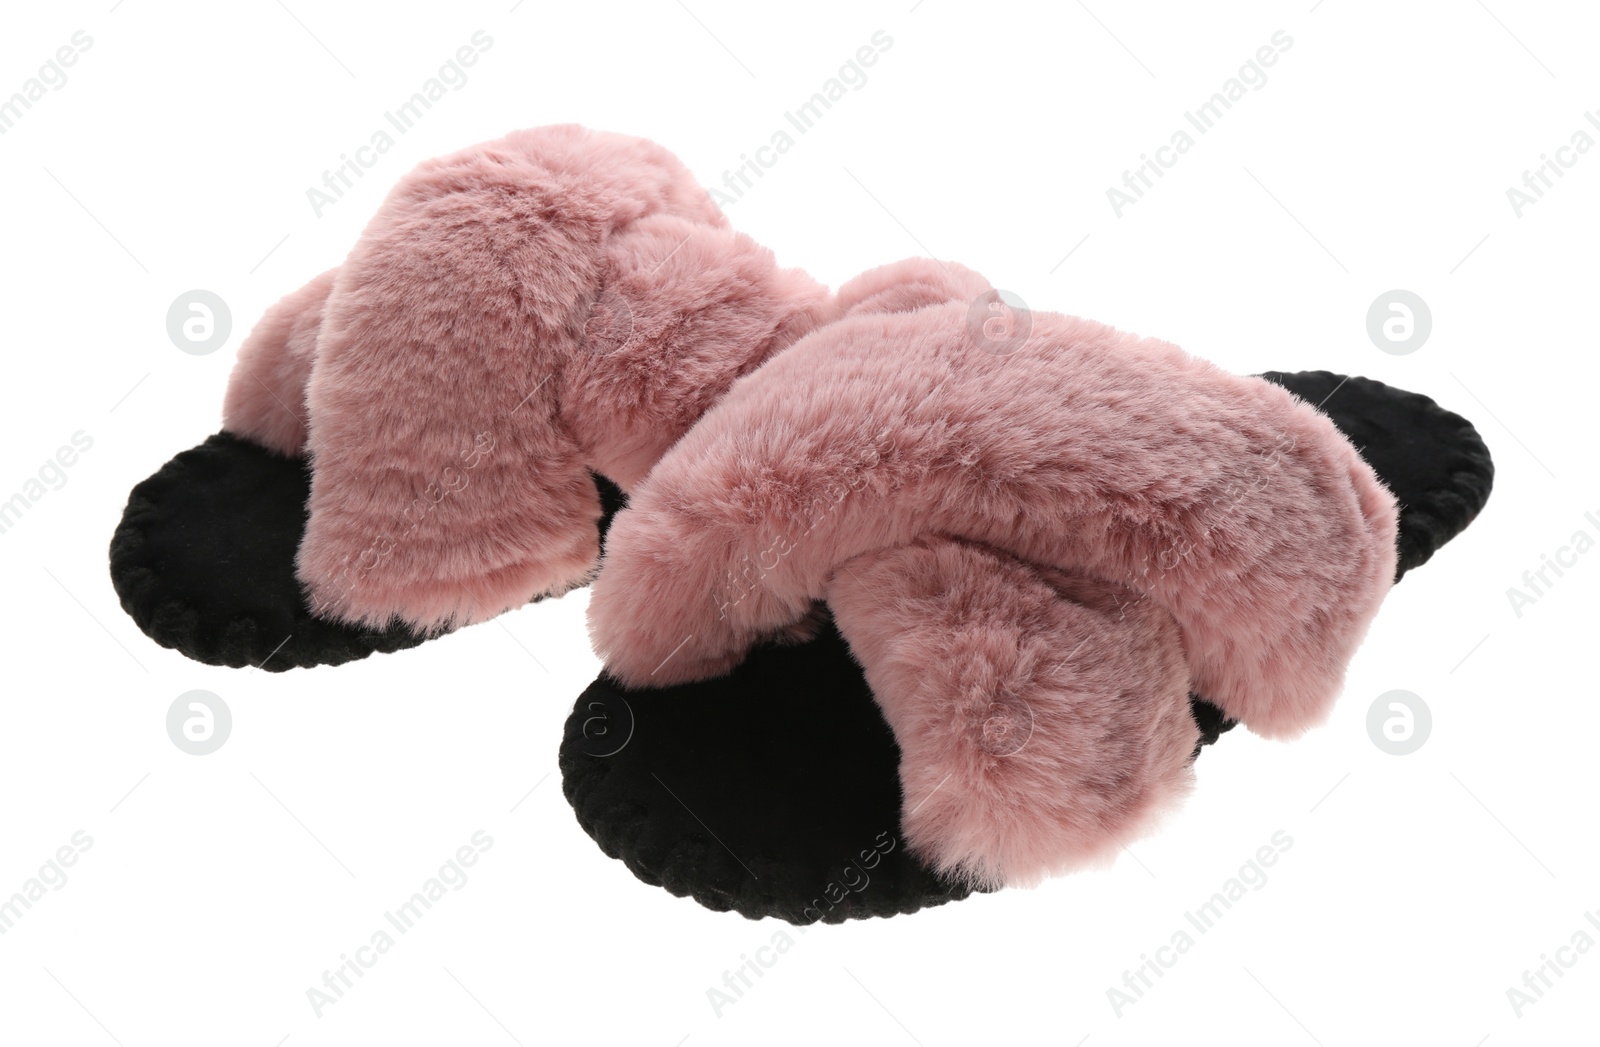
<point x="266" y="393"/>
<point x="516" y="315"/>
<point x="1041" y="718"/>
<point x="1237" y="511"/>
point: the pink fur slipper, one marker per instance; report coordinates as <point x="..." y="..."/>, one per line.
<point x="1034" y="556"/>
<point x="436" y="431"/>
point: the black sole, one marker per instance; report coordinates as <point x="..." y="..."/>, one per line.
<point x="203" y="561"/>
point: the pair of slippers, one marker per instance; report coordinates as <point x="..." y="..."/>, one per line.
<point x="905" y="596"/>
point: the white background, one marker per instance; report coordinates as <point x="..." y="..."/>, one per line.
<point x="1377" y="156"/>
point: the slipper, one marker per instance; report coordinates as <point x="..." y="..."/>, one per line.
<point x="1248" y="576"/>
<point x="437" y="431"/>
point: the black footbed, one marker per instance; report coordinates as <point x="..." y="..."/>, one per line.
<point x="768" y="791"/>
<point x="203" y="561"/>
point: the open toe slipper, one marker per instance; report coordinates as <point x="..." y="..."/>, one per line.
<point x="437" y="431"/>
<point x="902" y="619"/>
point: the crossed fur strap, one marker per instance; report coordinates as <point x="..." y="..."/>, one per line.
<point x="970" y="516"/>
